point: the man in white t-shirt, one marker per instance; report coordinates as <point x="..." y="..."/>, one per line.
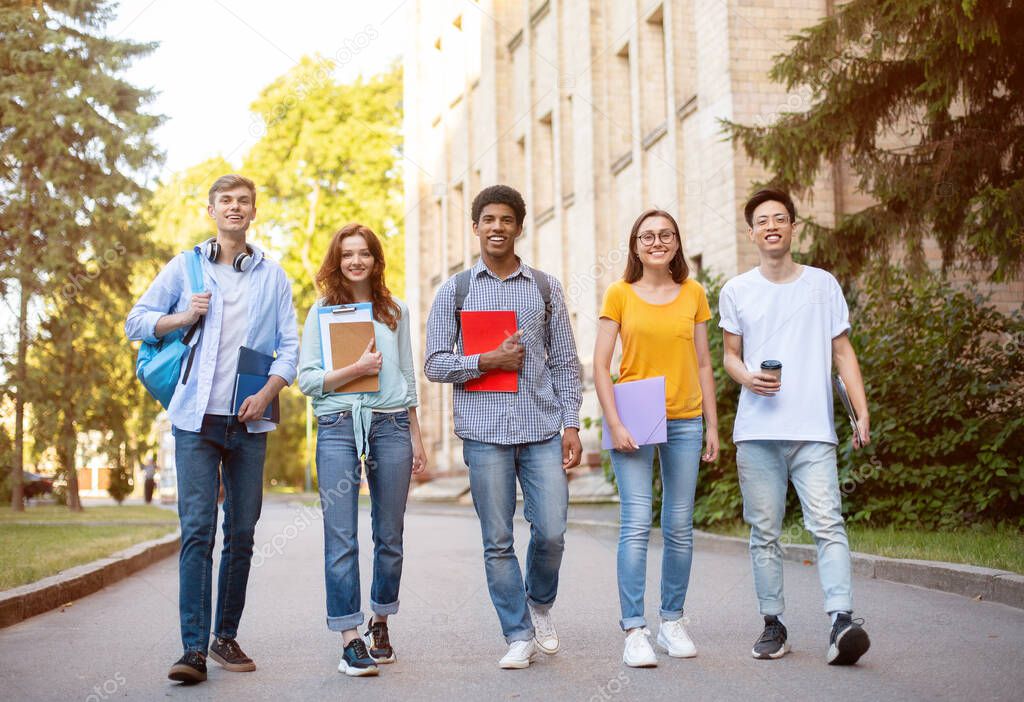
<point x="794" y="314"/>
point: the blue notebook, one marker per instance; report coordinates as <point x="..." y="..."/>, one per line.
<point x="253" y="373"/>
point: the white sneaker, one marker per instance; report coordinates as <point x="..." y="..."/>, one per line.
<point x="519" y="655"/>
<point x="638" y="652"/>
<point x="544" y="633"/>
<point x="673" y="638"/>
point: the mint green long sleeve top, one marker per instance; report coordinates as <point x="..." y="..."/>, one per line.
<point x="397" y="374"/>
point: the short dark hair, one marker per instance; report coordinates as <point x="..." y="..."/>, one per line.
<point x="499" y="195"/>
<point x="768" y="195"/>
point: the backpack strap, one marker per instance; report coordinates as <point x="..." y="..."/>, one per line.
<point x="195" y="277"/>
<point x="545" y="292"/>
<point x="462" y="281"/>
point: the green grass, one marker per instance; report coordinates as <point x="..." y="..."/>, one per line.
<point x="30" y="552"/>
<point x="990" y="547"/>
<point x="59" y="513"/>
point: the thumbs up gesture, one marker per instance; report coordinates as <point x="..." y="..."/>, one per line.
<point x="370" y="362"/>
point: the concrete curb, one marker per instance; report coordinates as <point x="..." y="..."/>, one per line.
<point x="20" y="603"/>
<point x="987" y="584"/>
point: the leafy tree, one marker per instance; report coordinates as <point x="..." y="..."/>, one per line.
<point x="176" y="214"/>
<point x="73" y="137"/>
<point x="328" y="156"/>
<point x="925" y="101"/>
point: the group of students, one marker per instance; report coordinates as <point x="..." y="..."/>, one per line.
<point x="783" y="432"/>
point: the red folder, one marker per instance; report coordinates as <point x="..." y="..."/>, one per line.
<point x="483" y="332"/>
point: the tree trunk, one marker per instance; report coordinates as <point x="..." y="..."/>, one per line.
<point x="20" y="373"/>
<point x="68" y="447"/>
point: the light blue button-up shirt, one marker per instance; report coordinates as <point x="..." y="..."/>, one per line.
<point x="272" y="329"/>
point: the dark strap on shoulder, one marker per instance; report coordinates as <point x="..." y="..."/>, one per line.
<point x="545" y="291"/>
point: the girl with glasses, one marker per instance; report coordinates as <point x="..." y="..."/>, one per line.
<point x="660" y="315"/>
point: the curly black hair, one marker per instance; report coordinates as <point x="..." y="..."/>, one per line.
<point x="500" y="195"/>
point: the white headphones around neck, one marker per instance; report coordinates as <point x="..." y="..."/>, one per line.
<point x="243" y="261"/>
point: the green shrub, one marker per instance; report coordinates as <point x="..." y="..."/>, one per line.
<point x="944" y="374"/>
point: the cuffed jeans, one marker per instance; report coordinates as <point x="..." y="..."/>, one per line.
<point x="493" y="469"/>
<point x="223" y="446"/>
<point x="765" y="469"/>
<point x="680" y="459"/>
<point x="388" y="472"/>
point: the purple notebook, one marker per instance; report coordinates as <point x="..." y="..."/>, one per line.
<point x="641" y="407"/>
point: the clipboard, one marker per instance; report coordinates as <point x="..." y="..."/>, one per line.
<point x="345" y="330"/>
<point x="484" y="331"/>
<point x="844" y="398"/>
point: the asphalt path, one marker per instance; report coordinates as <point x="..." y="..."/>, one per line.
<point x="118" y="643"/>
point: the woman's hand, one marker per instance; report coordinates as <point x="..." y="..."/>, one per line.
<point x="711" y="445"/>
<point x="419" y="457"/>
<point x="622" y="440"/>
<point x="370" y="362"/>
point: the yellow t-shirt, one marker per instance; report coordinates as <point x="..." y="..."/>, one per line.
<point x="658" y="340"/>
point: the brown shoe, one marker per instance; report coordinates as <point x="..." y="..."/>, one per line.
<point x="190" y="668"/>
<point x="230" y="655"/>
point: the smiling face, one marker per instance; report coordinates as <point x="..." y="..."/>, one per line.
<point x="657" y="242"/>
<point x="772" y="230"/>
<point x="356" y="260"/>
<point x="233" y="210"/>
<point x="497" y="230"/>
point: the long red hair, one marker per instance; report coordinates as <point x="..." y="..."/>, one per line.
<point x="334" y="287"/>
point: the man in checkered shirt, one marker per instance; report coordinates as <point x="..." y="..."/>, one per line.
<point x="506" y="435"/>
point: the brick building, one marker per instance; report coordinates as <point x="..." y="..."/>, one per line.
<point x="594" y="110"/>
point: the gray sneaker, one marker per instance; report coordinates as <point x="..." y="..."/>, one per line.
<point x="772" y="643"/>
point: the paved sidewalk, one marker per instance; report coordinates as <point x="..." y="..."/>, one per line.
<point x="118" y="643"/>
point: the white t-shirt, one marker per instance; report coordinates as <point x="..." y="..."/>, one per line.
<point x="793" y="323"/>
<point x="234" y="292"/>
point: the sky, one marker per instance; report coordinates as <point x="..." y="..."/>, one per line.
<point x="214" y="57"/>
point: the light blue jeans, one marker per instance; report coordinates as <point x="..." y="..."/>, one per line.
<point x="493" y="469"/>
<point x="388" y="472"/>
<point x="680" y="459"/>
<point x="765" y="469"/>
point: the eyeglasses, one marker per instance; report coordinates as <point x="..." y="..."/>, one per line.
<point x="665" y="236"/>
<point x="780" y="219"/>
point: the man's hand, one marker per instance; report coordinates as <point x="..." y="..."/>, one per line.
<point x="763" y="384"/>
<point x="198" y="307"/>
<point x="864" y="430"/>
<point x="508" y="355"/>
<point x="254" y="406"/>
<point x="572" y="448"/>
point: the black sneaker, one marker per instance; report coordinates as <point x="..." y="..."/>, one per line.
<point x="355" y="660"/>
<point x="848" y="642"/>
<point x="229" y="654"/>
<point x="190" y="668"/>
<point x="772" y="643"/>
<point x="380" y="645"/>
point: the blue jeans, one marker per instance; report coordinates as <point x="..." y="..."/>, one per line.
<point x="493" y="469"/>
<point x="388" y="472"/>
<point x="222" y="447"/>
<point x="765" y="469"/>
<point x="680" y="459"/>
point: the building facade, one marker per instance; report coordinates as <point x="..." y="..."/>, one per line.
<point x="594" y="110"/>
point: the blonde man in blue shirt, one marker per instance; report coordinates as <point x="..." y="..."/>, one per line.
<point x="247" y="302"/>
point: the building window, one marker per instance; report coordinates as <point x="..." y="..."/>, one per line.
<point x="543" y="170"/>
<point x="620" y="125"/>
<point x="565" y="139"/>
<point x="652" y="67"/>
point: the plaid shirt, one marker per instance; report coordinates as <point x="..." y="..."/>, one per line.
<point x="549" y="394"/>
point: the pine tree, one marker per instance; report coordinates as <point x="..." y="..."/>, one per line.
<point x="73" y="141"/>
<point x="924" y="100"/>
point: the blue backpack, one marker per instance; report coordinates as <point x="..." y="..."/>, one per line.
<point x="159" y="365"/>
